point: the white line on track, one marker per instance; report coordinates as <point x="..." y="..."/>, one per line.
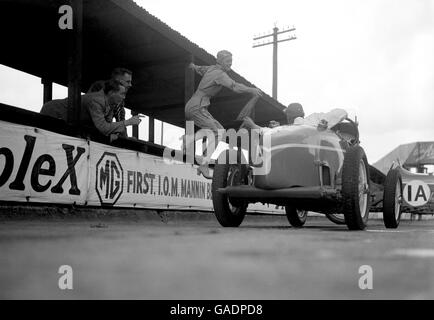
<point x="384" y="231"/>
<point x="401" y="231"/>
<point x="414" y="252"/>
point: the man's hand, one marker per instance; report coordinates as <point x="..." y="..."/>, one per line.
<point x="191" y="65"/>
<point x="273" y="124"/>
<point x="133" y="121"/>
<point x="256" y="92"/>
<point x="113" y="137"/>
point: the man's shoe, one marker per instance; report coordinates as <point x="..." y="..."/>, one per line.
<point x="204" y="170"/>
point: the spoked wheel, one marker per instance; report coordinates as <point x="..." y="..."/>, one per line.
<point x="336" y="218"/>
<point x="355" y="189"/>
<point x="392" y="199"/>
<point x="229" y="211"/>
<point x="297" y="218"/>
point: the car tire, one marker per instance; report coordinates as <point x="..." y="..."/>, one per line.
<point x="355" y="188"/>
<point x="336" y="218"/>
<point x="392" y="198"/>
<point x="228" y="211"/>
<point x="297" y="218"/>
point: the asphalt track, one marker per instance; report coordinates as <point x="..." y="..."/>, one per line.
<point x="116" y="258"/>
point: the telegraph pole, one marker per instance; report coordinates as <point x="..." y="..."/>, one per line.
<point x="274" y="42"/>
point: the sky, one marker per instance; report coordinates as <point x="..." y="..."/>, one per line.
<point x="374" y="58"/>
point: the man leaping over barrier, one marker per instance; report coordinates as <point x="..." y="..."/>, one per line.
<point x="214" y="78"/>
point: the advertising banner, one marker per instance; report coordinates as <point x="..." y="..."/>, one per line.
<point x="127" y="178"/>
<point x="41" y="166"/>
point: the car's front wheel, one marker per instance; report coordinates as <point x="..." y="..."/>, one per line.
<point x="355" y="188"/>
<point x="297" y="218"/>
<point x="392" y="199"/>
<point x="229" y="212"/>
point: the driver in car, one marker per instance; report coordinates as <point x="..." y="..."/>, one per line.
<point x="293" y="111"/>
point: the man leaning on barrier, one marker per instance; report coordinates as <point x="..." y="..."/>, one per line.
<point x="97" y="109"/>
<point x="214" y="78"/>
<point x="124" y="76"/>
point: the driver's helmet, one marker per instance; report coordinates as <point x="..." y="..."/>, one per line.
<point x="293" y="111"/>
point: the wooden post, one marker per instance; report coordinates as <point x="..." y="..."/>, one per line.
<point x="151" y="130"/>
<point x="48" y="90"/>
<point x="75" y="57"/>
<point x="135" y="127"/>
<point x="275" y="30"/>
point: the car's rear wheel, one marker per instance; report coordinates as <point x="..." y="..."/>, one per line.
<point x="229" y="211"/>
<point x="392" y="199"/>
<point x="336" y="218"/>
<point x="297" y="218"/>
<point x="355" y="188"/>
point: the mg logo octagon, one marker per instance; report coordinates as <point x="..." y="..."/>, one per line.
<point x="109" y="182"/>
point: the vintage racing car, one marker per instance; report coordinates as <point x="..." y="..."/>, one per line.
<point x="402" y="191"/>
<point x="316" y="164"/>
